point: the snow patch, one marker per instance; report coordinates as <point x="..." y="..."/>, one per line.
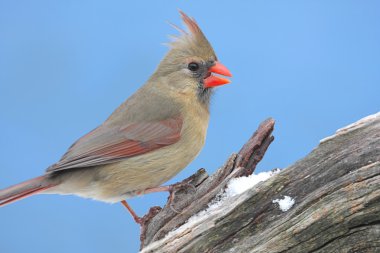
<point x="235" y="187"/>
<point x="241" y="184"/>
<point x="284" y="204"/>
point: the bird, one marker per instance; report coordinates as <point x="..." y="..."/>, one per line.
<point x="149" y="138"/>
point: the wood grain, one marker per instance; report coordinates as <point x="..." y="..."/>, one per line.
<point x="337" y="201"/>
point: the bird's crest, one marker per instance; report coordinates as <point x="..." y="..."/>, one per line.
<point x="193" y="42"/>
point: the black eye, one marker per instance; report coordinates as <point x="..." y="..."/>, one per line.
<point x="193" y="66"/>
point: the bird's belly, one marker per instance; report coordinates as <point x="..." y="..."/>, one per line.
<point x="149" y="170"/>
<point x="125" y="179"/>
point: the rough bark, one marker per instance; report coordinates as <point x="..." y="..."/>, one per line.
<point x="337" y="201"/>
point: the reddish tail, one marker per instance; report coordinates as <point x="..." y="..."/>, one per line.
<point x="23" y="190"/>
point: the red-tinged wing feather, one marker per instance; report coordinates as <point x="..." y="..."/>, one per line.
<point x="106" y="144"/>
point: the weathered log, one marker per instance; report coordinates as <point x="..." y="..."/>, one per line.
<point x="336" y="189"/>
<point x="194" y="193"/>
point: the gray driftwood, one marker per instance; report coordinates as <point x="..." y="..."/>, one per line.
<point x="337" y="201"/>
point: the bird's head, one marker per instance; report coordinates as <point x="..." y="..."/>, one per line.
<point x="191" y="64"/>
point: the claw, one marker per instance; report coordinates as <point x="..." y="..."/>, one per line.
<point x="172" y="189"/>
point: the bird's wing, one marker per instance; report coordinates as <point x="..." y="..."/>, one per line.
<point x="106" y="144"/>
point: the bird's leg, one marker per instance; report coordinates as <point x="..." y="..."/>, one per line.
<point x="137" y="218"/>
<point x="130" y="210"/>
<point x="165" y="188"/>
<point x="168" y="188"/>
<point x="171" y="189"/>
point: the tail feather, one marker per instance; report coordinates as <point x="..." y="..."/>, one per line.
<point x="23" y="190"/>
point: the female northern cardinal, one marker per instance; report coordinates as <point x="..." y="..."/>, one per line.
<point x="151" y="137"/>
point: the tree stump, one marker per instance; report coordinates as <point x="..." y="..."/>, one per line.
<point x="336" y="190"/>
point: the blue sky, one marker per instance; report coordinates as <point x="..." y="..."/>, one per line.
<point x="66" y="65"/>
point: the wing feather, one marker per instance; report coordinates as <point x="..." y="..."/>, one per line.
<point x="106" y="144"/>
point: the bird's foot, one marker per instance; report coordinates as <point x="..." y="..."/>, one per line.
<point x="168" y="188"/>
<point x="174" y="188"/>
<point x="181" y="186"/>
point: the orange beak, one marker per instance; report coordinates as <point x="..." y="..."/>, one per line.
<point x="213" y="81"/>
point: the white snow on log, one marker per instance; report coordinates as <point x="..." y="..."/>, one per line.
<point x="235" y="187"/>
<point x="203" y="220"/>
<point x="284" y="204"/>
<point x="241" y="184"/>
<point x="358" y="124"/>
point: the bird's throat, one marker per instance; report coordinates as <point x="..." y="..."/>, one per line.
<point x="204" y="96"/>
